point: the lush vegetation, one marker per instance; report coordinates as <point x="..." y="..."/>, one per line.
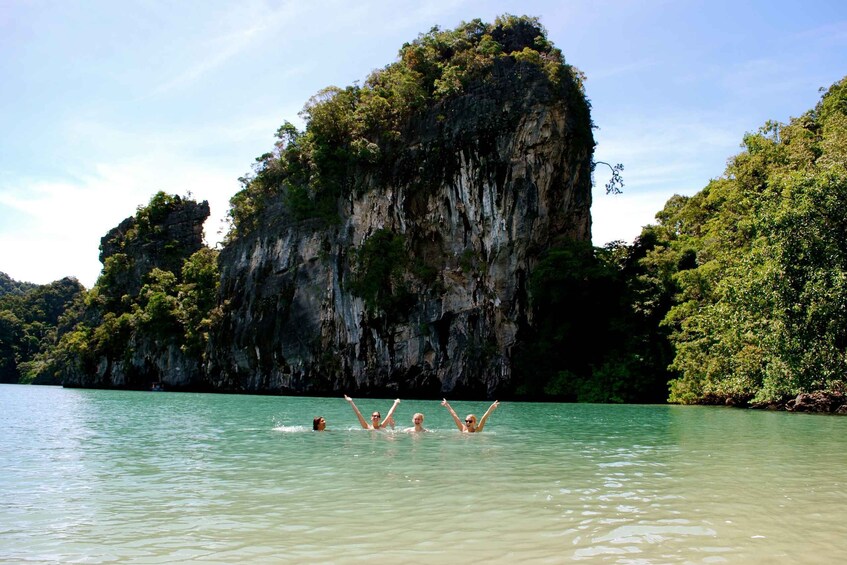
<point x="379" y="266"/>
<point x="10" y="286"/>
<point x="757" y="262"/>
<point x="737" y="295"/>
<point x="354" y="132"/>
<point x="161" y="306"/>
<point x="30" y="318"/>
<point x="596" y="334"/>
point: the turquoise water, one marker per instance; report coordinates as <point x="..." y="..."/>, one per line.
<point x="90" y="476"/>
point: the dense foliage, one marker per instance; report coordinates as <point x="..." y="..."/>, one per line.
<point x="378" y="275"/>
<point x="352" y="132"/>
<point x="759" y="260"/>
<point x="165" y="307"/>
<point x="737" y="295"/>
<point x="596" y="334"/>
<point x="10" y="286"/>
<point x="29" y="322"/>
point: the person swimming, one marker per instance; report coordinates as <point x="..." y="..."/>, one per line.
<point x="376" y="422"/>
<point x="417" y="421"/>
<point x="318" y="424"/>
<point x="470" y="424"/>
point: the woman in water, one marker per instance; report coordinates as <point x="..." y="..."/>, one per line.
<point x="376" y="422"/>
<point x="417" y="421"/>
<point x="470" y="426"/>
<point x="318" y="424"/>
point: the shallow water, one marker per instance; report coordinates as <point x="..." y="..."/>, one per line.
<point x="90" y="476"/>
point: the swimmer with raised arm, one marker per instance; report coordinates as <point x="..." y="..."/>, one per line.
<point x="470" y="426"/>
<point x="376" y="422"/>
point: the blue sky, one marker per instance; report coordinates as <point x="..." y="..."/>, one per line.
<point x="104" y="103"/>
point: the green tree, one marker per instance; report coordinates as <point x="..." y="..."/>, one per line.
<point x="352" y="133"/>
<point x="380" y="264"/>
<point x="28" y="325"/>
<point x="760" y="318"/>
<point x="136" y="303"/>
<point x="197" y="299"/>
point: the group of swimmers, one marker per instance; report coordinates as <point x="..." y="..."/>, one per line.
<point x="469" y="425"/>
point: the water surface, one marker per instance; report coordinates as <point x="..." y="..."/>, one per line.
<point x="91" y="476"/>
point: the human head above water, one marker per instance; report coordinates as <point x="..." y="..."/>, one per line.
<point x="470" y="421"/>
<point x="319" y="424"/>
<point x="418" y="418"/>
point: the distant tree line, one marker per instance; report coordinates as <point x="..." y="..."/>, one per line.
<point x="30" y="318"/>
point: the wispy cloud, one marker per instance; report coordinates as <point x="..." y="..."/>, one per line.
<point x="244" y="26"/>
<point x="620" y="70"/>
<point x="680" y="139"/>
<point x="64" y="220"/>
<point x="662" y="156"/>
<point x="831" y="34"/>
<point x="211" y="60"/>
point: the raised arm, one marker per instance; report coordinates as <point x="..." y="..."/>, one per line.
<point x="487" y="414"/>
<point x="389" y="418"/>
<point x="455" y="416"/>
<point x="358" y="414"/>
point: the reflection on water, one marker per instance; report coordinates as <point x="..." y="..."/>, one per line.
<point x="133" y="477"/>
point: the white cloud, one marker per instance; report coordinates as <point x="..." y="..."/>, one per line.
<point x="65" y="220"/>
<point x="662" y="156"/>
<point x="622" y="216"/>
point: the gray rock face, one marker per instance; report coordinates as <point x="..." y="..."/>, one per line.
<point x="164" y="243"/>
<point x="480" y="187"/>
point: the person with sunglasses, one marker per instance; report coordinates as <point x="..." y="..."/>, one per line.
<point x="470" y="425"/>
<point x="376" y="422"/>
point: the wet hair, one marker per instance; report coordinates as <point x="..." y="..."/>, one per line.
<point x="316" y="423"/>
<point x="418" y="414"/>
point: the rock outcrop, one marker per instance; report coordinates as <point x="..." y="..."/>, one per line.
<point x="162" y="239"/>
<point x="822" y="402"/>
<point x="478" y="188"/>
<point x="129" y="354"/>
<point x="388" y="249"/>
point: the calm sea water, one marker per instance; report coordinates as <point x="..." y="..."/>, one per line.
<point x="90" y="476"/>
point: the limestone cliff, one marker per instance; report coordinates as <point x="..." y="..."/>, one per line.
<point x="131" y="339"/>
<point x="476" y="188"/>
<point x="387" y="249"/>
<point x="161" y="236"/>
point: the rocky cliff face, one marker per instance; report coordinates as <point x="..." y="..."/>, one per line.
<point x="162" y="238"/>
<point x="133" y="354"/>
<point x="478" y="188"/>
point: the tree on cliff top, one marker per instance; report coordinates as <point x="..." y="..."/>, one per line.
<point x="158" y="286"/>
<point x="355" y="127"/>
